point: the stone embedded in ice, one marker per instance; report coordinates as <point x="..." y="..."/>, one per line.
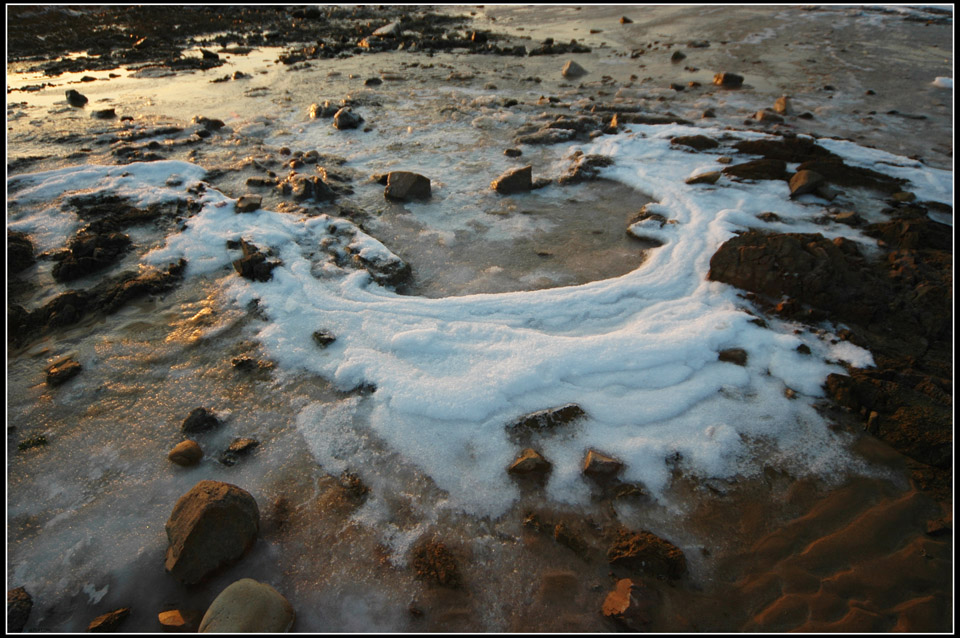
<point x="211" y="526"/>
<point x="248" y="606"/>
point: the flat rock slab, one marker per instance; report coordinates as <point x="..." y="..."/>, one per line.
<point x="248" y="606"/>
<point x="211" y="526"/>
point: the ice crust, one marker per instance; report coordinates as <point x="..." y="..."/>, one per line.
<point x="638" y="352"/>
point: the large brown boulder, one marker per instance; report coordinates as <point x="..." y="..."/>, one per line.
<point x="211" y="526"/>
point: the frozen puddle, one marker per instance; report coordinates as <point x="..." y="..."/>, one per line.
<point x="557" y="236"/>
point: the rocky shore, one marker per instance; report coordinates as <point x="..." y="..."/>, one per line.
<point x="260" y="537"/>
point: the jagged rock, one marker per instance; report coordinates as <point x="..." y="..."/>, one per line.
<point x="19" y="604"/>
<point x="728" y="80"/>
<point x="345" y="119"/>
<point x="737" y="356"/>
<point x="433" y="562"/>
<point x="629" y="604"/>
<point x="529" y="462"/>
<point x="109" y="622"/>
<point x="599" y="466"/>
<point x="209" y="55"/>
<point x="549" y="418"/>
<point x="95" y="247"/>
<point x="211" y="526"/>
<point x="248" y="203"/>
<point x="699" y="142"/>
<point x="200" y="420"/>
<point x="626" y="20"/>
<point x="62" y="371"/>
<point x="517" y="180"/>
<point x="180" y="621"/>
<point x="248" y="606"/>
<point x="804" y="182"/>
<point x="648" y="553"/>
<point x="20" y="252"/>
<point x="572" y="70"/>
<point x="75" y="98"/>
<point x="253" y="264"/>
<point x="301" y="188"/>
<point x="404" y="186"/>
<point x="186" y="453"/>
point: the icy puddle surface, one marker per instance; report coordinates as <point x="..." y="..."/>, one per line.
<point x="517" y="304"/>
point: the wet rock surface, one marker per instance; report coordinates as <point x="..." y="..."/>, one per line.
<point x="212" y="525"/>
<point x="110" y="622"/>
<point x="437" y="565"/>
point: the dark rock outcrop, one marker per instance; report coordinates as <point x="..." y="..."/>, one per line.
<point x="20" y="252"/>
<point x="200" y="420"/>
<point x="19" y="604"/>
<point x="109" y="622"/>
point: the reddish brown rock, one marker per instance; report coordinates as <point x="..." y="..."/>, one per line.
<point x="630" y="604"/>
<point x="436" y="564"/>
<point x="180" y="621"/>
<point x="530" y="462"/>
<point x="597" y="465"/>
<point x="648" y="553"/>
<point x="19" y="604"/>
<point x="782" y="105"/>
<point x="211" y="526"/>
